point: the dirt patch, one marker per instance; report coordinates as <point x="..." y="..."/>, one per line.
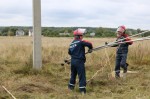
<point x="32" y="88"/>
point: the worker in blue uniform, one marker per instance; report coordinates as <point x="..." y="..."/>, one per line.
<point x="77" y="53"/>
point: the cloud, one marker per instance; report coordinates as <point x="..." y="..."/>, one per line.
<point x="105" y="13"/>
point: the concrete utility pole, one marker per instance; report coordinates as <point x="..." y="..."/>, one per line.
<point x="37" y="56"/>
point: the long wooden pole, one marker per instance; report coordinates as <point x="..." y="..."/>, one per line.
<point x="9" y="92"/>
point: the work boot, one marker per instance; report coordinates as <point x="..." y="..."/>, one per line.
<point x="117" y="75"/>
<point x="82" y="91"/>
<point x="70" y="87"/>
<point x="125" y="68"/>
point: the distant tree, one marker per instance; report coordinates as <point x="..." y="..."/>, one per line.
<point x="99" y="32"/>
<point x="26" y="30"/>
<point x="138" y="30"/>
<point x="45" y="32"/>
<point x="54" y="31"/>
<point x="5" y="31"/>
<point x="11" y="33"/>
<point x="13" y="29"/>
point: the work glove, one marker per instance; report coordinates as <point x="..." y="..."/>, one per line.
<point x="90" y="51"/>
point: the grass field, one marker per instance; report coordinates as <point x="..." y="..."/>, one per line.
<point x="17" y="75"/>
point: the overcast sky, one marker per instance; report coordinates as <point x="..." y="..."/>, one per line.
<point x="88" y="13"/>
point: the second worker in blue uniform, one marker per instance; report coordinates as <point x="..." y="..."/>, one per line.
<point x="77" y="52"/>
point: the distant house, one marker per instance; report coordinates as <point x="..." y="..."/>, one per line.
<point x="64" y="34"/>
<point x="30" y="32"/>
<point x="92" y="34"/>
<point x="20" y="32"/>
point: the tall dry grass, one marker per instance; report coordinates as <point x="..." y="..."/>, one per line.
<point x="17" y="75"/>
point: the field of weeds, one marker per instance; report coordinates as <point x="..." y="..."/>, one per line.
<point x="17" y="75"/>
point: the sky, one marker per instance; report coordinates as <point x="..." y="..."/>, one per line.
<point x="81" y="13"/>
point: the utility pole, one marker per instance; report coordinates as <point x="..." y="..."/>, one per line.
<point x="37" y="56"/>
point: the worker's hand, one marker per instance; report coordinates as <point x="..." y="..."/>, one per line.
<point x="90" y="51"/>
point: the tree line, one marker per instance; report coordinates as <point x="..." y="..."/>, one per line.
<point x="55" y="31"/>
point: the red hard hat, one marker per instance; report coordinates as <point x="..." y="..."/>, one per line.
<point x="79" y="31"/>
<point x="121" y="29"/>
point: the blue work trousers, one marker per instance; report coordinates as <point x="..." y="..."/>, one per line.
<point x="120" y="62"/>
<point x="77" y="67"/>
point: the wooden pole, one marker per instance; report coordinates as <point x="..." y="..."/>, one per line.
<point x="9" y="92"/>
